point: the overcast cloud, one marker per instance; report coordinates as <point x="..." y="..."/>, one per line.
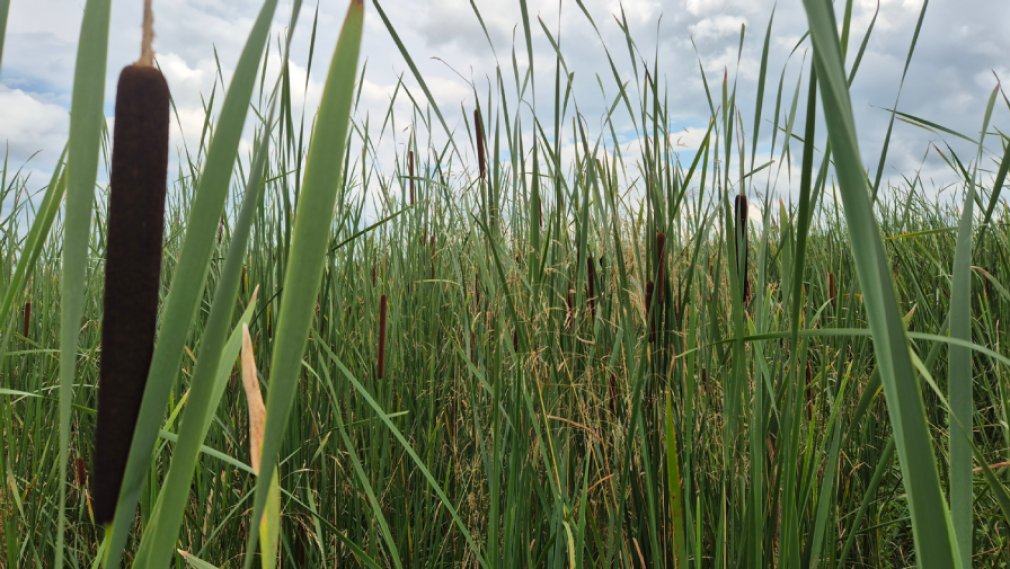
<point x="962" y="50"/>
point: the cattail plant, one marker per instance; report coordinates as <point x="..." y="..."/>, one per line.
<point x="478" y="126"/>
<point x="591" y="287"/>
<point x="80" y="472"/>
<point x="741" y="245"/>
<point x="133" y="265"/>
<point x="381" y="368"/>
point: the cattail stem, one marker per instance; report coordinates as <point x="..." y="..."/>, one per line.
<point x="591" y="287"/>
<point x="133" y="265"/>
<point x="410" y="173"/>
<point x="381" y="368"/>
<point x="147" y="37"/>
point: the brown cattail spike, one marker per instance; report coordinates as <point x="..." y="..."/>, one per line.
<point x="478" y="127"/>
<point x="741" y="244"/>
<point x="381" y="368"/>
<point x="26" y="325"/>
<point x="132" y="270"/>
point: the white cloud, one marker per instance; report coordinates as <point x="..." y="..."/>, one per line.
<point x="29" y="125"/>
<point x="716" y="27"/>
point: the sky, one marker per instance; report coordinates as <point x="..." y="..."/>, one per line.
<point x="961" y="55"/>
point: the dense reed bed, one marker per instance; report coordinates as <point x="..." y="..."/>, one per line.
<point x="502" y="356"/>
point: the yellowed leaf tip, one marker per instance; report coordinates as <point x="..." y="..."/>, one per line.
<point x="254" y="399"/>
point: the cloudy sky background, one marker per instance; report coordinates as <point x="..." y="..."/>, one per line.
<point x="962" y="51"/>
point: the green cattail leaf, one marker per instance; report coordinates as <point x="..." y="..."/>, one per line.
<point x="87" y="121"/>
<point x="931" y="522"/>
<point x="309" y="244"/>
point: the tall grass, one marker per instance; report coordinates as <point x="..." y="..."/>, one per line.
<point x="526" y="343"/>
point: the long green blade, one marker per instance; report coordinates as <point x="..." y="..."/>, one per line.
<point x="931" y="522"/>
<point x="309" y="244"/>
<point x="86" y="123"/>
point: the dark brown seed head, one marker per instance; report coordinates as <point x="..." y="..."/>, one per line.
<point x="381" y="368"/>
<point x="26" y="325"/>
<point x="741" y="244"/>
<point x="132" y="271"/>
<point x="478" y="127"/>
<point x="831" y="287"/>
<point x="80" y="472"/>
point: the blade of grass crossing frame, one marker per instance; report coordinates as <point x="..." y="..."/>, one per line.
<point x="960" y="392"/>
<point x="86" y="122"/>
<point x="930" y="518"/>
<point x="190" y="275"/>
<point x="309" y="241"/>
